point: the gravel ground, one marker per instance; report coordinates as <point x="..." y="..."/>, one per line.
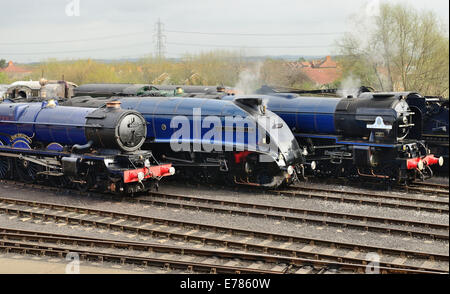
<point x="236" y="221"/>
<point x="313" y="204"/>
<point x="77" y="230"/>
<point x="231" y="195"/>
<point x="225" y="191"/>
<point x="439" y="180"/>
<point x="263" y="225"/>
<point x="317" y="218"/>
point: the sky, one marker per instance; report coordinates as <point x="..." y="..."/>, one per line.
<point x="32" y="31"/>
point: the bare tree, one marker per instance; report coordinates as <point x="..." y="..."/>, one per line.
<point x="401" y="50"/>
<point x="277" y="73"/>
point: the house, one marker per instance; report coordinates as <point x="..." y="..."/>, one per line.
<point x="321" y="72"/>
<point x="14" y="71"/>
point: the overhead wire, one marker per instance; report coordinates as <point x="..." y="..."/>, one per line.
<point x="106" y="37"/>
<point x="244" y="46"/>
<point x="255" y="34"/>
<point x="73" y="41"/>
<point x="169" y="31"/>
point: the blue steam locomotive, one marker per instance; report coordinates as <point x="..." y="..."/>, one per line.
<point x="430" y="118"/>
<point x="239" y="140"/>
<point x="388" y="126"/>
<point x="245" y="143"/>
<point x="374" y="136"/>
<point x="97" y="149"/>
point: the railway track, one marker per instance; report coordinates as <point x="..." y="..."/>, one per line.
<point x="431" y="185"/>
<point x="428" y="188"/>
<point x="393" y="201"/>
<point x="174" y="257"/>
<point x="346" y="220"/>
<point x="241" y="239"/>
<point x="168" y="257"/>
<point x="382" y="200"/>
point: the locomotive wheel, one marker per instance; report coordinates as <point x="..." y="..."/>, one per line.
<point x="5" y="165"/>
<point x="63" y="182"/>
<point x="89" y="182"/>
<point x="82" y="187"/>
<point x="27" y="170"/>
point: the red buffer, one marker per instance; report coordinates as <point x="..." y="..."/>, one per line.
<point x="420" y="163"/>
<point x="431" y="159"/>
<point x="135" y="175"/>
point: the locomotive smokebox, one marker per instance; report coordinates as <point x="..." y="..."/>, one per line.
<point x="112" y="127"/>
<point x="382" y="118"/>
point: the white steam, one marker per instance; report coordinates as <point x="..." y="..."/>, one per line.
<point x="372" y="8"/>
<point x="249" y="79"/>
<point x="349" y="87"/>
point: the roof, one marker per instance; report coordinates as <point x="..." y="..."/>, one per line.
<point x="327" y="63"/>
<point x="322" y="76"/>
<point x="11" y="68"/>
<point x="321" y="72"/>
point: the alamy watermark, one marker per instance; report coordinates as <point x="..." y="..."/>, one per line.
<point x="73" y="8"/>
<point x="373" y="267"/>
<point x="227" y="133"/>
<point x="73" y="267"/>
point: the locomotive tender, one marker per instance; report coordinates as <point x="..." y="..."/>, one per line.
<point x="88" y="148"/>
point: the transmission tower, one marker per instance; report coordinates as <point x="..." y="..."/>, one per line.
<point x="160" y="39"/>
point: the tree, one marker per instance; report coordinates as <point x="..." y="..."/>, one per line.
<point x="277" y="73"/>
<point x="3" y="63"/>
<point x="401" y="50"/>
<point x="3" y="78"/>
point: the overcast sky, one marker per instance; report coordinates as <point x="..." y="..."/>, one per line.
<point x="36" y="30"/>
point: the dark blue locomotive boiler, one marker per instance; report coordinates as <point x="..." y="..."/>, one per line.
<point x="89" y="148"/>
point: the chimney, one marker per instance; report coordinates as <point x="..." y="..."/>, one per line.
<point x="113" y="104"/>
